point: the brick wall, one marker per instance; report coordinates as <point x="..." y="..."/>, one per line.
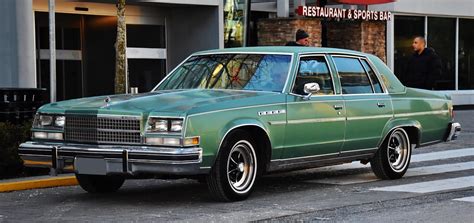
<point x="277" y="32"/>
<point x="365" y="36"/>
<point x="362" y="36"/>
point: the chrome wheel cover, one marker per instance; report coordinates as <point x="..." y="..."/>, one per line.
<point x="398" y="152"/>
<point x="241" y="167"/>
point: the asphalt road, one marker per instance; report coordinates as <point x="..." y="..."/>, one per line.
<point x="439" y="187"/>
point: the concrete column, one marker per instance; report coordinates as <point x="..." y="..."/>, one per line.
<point x="25" y="24"/>
<point x="283" y="8"/>
<point x="17" y="45"/>
<point x="8" y="44"/>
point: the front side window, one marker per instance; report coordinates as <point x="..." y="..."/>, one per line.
<point x="353" y="78"/>
<point x="257" y="72"/>
<point x="313" y="69"/>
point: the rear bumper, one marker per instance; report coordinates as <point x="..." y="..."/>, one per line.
<point x="453" y="131"/>
<point x="112" y="159"/>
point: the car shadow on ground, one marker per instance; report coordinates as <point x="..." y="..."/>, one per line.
<point x="191" y="191"/>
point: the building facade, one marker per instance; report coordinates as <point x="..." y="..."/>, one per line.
<point x="160" y="34"/>
<point x="446" y="25"/>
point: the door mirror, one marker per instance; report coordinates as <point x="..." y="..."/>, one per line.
<point x="310" y="89"/>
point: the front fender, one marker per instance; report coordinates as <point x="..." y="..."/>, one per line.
<point x="234" y="124"/>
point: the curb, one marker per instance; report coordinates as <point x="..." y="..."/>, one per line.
<point x="38" y="183"/>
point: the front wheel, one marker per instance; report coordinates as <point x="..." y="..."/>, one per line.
<point x="234" y="173"/>
<point x="393" y="157"/>
<point x="99" y="184"/>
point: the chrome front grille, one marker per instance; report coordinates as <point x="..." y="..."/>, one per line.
<point x="102" y="129"/>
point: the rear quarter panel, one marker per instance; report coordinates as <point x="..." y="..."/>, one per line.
<point x="427" y="108"/>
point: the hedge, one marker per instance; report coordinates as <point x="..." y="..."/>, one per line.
<point x="11" y="135"/>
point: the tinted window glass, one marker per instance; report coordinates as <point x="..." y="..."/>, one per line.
<point x="313" y="69"/>
<point x="373" y="77"/>
<point x="354" y="80"/>
<point x="230" y="71"/>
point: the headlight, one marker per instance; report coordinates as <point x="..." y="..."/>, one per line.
<point x="45" y="120"/>
<point x="60" y="121"/>
<point x="176" y="126"/>
<point x="164" y="125"/>
<point x="49" y="120"/>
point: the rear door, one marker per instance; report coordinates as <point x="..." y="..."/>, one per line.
<point x="368" y="106"/>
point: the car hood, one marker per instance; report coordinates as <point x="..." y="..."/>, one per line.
<point x="176" y="102"/>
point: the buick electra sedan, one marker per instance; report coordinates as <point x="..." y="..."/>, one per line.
<point x="230" y="116"/>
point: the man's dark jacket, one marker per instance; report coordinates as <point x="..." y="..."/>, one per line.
<point x="293" y="43"/>
<point x="422" y="70"/>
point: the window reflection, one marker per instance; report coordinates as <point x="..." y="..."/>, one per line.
<point x="353" y="78"/>
<point x="466" y="54"/>
<point x="231" y="71"/>
<point x="313" y="69"/>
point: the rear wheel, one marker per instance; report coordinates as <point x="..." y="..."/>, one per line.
<point x="234" y="173"/>
<point x="99" y="184"/>
<point x="393" y="157"/>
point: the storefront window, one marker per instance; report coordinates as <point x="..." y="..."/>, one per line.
<point x="406" y="27"/>
<point x="466" y="54"/>
<point x="235" y="22"/>
<point x="442" y="38"/>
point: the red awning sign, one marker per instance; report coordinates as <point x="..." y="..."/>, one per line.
<point x="364" y="2"/>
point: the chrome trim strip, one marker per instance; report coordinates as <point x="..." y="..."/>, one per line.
<point x="277" y="122"/>
<point x="230" y="109"/>
<point x="424" y="99"/>
<point x="305" y="157"/>
<point x="241" y="52"/>
<point x="421" y="113"/>
<point x="316" y="120"/>
<point x="359" y="150"/>
<point x="368" y="117"/>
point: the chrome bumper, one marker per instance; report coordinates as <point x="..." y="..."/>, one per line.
<point x="454" y="131"/>
<point x="112" y="159"/>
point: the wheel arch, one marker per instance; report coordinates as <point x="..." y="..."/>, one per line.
<point x="413" y="129"/>
<point x="258" y="132"/>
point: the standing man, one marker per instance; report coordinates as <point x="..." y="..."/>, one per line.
<point x="424" y="66"/>
<point x="301" y="37"/>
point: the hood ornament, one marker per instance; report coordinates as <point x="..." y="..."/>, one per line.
<point x="107" y="101"/>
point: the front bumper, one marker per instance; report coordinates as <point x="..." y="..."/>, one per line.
<point x="453" y="131"/>
<point x="112" y="159"/>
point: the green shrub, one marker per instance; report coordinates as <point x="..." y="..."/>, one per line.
<point x="11" y="136"/>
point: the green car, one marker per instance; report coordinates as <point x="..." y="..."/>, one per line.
<point x="229" y="116"/>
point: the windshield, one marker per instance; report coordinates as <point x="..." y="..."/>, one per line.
<point x="256" y="72"/>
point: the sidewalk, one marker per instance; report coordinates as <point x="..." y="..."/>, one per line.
<point x="37" y="182"/>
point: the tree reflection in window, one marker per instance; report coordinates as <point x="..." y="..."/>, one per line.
<point x="256" y="72"/>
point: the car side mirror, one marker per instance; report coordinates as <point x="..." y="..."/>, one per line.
<point x="310" y="89"/>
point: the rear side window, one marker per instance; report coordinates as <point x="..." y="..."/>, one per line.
<point x="313" y="69"/>
<point x="353" y="78"/>
<point x="373" y="77"/>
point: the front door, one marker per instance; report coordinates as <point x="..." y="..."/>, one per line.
<point x="315" y="126"/>
<point x="368" y="108"/>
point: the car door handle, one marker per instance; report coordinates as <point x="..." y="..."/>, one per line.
<point x="338" y="107"/>
<point x="380" y="104"/>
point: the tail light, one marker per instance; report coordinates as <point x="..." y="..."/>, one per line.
<point x="451" y="112"/>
